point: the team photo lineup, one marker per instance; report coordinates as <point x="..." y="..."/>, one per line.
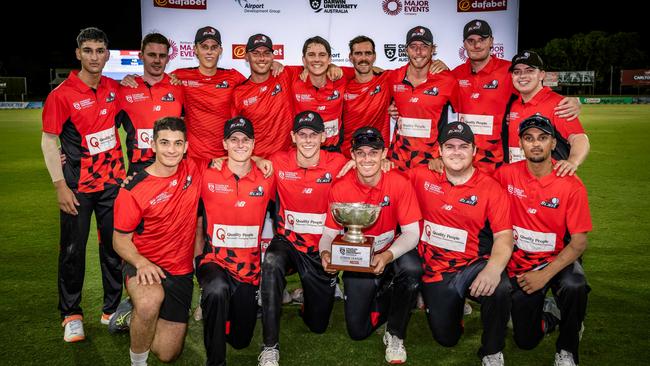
<point x="472" y="192"/>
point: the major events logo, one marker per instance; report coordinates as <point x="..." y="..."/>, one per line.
<point x="333" y="6"/>
<point x="406" y="7"/>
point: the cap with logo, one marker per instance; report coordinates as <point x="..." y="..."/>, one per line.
<point x="238" y="124"/>
<point x="308" y="119"/>
<point x="259" y="40"/>
<point x="539" y="122"/>
<point x="478" y="27"/>
<point x="367" y="136"/>
<point x="528" y="58"/>
<point x="456" y="130"/>
<point x="207" y="33"/>
<point x="419" y="33"/>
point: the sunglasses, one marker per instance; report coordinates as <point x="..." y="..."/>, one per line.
<point x="539" y="122"/>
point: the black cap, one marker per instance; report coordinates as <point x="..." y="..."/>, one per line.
<point x="207" y="33"/>
<point x="367" y="136"/>
<point x="456" y="130"/>
<point x="529" y="58"/>
<point x="478" y="27"/>
<point x="539" y="122"/>
<point x="238" y="124"/>
<point x="258" y="40"/>
<point x="308" y="119"/>
<point x="419" y="33"/>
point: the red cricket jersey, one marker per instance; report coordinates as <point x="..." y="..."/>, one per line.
<point x="84" y="120"/>
<point x="141" y="107"/>
<point x="161" y="214"/>
<point x="208" y="101"/>
<point x="457" y="221"/>
<point x="545" y="212"/>
<point x="269" y="106"/>
<point x="483" y="98"/>
<point x="234" y="210"/>
<point x="366" y="104"/>
<point x="394" y="193"/>
<point x="422" y="110"/>
<point x="543" y="103"/>
<point x="303" y="194"/>
<point x="327" y="101"/>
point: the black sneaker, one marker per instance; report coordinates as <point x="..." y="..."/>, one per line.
<point x="121" y="320"/>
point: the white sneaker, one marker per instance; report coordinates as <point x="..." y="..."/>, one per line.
<point x="198" y="313"/>
<point x="564" y="358"/>
<point x="467" y="308"/>
<point x="296" y="296"/>
<point x="338" y="294"/>
<point x="73" y="329"/>
<point x="495" y="359"/>
<point x="395" y="351"/>
<point x="270" y="356"/>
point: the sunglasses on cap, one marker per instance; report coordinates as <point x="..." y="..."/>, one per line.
<point x="540" y="122"/>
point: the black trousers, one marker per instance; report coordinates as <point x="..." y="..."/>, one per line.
<point x="445" y="301"/>
<point x="229" y="312"/>
<point x="72" y="254"/>
<point x="570" y="290"/>
<point x="280" y="259"/>
<point x="371" y="300"/>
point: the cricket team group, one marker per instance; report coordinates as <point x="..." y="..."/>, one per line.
<point x="476" y="184"/>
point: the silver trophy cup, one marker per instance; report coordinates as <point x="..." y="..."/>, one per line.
<point x="356" y="217"/>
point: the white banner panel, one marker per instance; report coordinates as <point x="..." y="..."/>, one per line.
<point x="290" y="22"/>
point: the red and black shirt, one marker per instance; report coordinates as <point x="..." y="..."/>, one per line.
<point x="84" y="120"/>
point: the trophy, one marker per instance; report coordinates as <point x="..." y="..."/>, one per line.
<point x="353" y="251"/>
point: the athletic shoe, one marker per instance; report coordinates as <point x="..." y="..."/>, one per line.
<point x="198" y="313"/>
<point x="419" y="302"/>
<point x="550" y="306"/>
<point x="564" y="358"/>
<point x="551" y="316"/>
<point x="495" y="359"/>
<point x="73" y="328"/>
<point x="297" y="296"/>
<point x="121" y="319"/>
<point x="395" y="351"/>
<point x="106" y="318"/>
<point x="338" y="294"/>
<point x="270" y="356"/>
<point x="467" y="308"/>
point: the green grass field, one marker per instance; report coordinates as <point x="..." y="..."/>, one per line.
<point x="617" y="325"/>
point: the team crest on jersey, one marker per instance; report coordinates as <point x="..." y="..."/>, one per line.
<point x="326" y="178"/>
<point x="276" y="89"/>
<point x="385" y="202"/>
<point x="376" y="90"/>
<point x="169" y="97"/>
<point x="471" y="200"/>
<point x="432" y="91"/>
<point x="222" y="85"/>
<point x="553" y="202"/>
<point x="257" y="192"/>
<point x="492" y="84"/>
<point x="188" y="182"/>
<point x="335" y="95"/>
<point x="110" y="97"/>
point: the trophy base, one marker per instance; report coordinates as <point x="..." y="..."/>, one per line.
<point x="355" y="257"/>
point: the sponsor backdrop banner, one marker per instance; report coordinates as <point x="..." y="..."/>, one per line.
<point x="635" y="77"/>
<point x="290" y="22"/>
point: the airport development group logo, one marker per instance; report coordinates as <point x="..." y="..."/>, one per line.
<point x="332" y="6"/>
<point x="181" y="4"/>
<point x="408" y="7"/>
<point x="255" y="6"/>
<point x="469" y="6"/>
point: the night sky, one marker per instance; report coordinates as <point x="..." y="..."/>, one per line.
<point x="48" y="40"/>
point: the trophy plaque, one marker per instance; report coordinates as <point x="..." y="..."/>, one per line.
<point x="353" y="251"/>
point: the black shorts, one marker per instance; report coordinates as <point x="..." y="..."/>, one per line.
<point x="178" y="294"/>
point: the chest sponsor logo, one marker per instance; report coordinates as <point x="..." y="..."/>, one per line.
<point x="433" y="188"/>
<point x="83" y="104"/>
<point x="101" y="141"/>
<point x="191" y="83"/>
<point x="533" y="241"/>
<point x="470" y="200"/>
<point x="553" y="202"/>
<point x="432" y="91"/>
<point x="304" y="98"/>
<point x="444" y="237"/>
<point x="222" y="85"/>
<point x="399" y="88"/>
<point x="288" y="175"/>
<point x="516" y="154"/>
<point x="491" y="85"/>
<point x="480" y="124"/>
<point x="257" y="192"/>
<point x="111" y="97"/>
<point x="463" y="83"/>
<point x="326" y="178"/>
<point x="512" y="116"/>
<point x="331" y="128"/>
<point x="232" y="236"/>
<point x="136" y="98"/>
<point x="517" y="192"/>
<point x="276" y="89"/>
<point x="169" y="97"/>
<point x="304" y="223"/>
<point x="144" y="137"/>
<point x="335" y="95"/>
<point x="250" y="101"/>
<point x="350" y="96"/>
<point x="414" y="127"/>
<point x="162" y="197"/>
<point x="219" y="188"/>
<point x="382" y="240"/>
